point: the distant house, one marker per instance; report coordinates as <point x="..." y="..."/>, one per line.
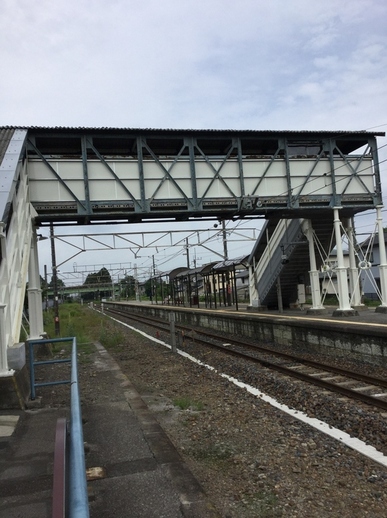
<point x="242" y="284"/>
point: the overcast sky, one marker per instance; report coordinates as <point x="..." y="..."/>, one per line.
<point x="221" y="64"/>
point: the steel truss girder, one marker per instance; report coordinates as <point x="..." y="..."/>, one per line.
<point x="144" y="183"/>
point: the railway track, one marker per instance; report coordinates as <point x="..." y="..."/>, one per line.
<point x="353" y="385"/>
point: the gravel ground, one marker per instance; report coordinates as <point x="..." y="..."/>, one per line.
<point x="252" y="459"/>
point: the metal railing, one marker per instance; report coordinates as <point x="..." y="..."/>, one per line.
<point x="33" y="363"/>
<point x="70" y="498"/>
<point x="78" y="498"/>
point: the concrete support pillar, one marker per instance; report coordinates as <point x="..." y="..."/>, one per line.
<point x="341" y="272"/>
<point x="34" y="291"/>
<point x="317" y="307"/>
<point x="383" y="262"/>
<point x="354" y="278"/>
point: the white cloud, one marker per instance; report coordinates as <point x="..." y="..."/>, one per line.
<point x="174" y="64"/>
<point x="194" y="64"/>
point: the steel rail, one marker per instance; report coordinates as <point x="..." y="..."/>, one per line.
<point x="311" y="363"/>
<point x="318" y="365"/>
<point x="352" y="394"/>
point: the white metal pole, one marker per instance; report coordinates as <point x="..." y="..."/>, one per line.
<point x="313" y="273"/>
<point x="5" y="320"/>
<point x="35" y="305"/>
<point x="383" y="261"/>
<point x="4" y="370"/>
<point x="3" y="305"/>
<point x="341" y="270"/>
<point x="354" y="280"/>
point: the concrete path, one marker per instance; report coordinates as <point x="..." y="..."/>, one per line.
<point x="142" y="475"/>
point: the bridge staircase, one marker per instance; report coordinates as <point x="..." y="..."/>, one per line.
<point x="280" y="260"/>
<point x="18" y="261"/>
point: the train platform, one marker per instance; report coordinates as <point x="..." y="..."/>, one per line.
<point x="133" y="468"/>
<point x="363" y="314"/>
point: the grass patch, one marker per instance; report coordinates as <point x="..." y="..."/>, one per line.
<point x="76" y="320"/>
<point x="185" y="403"/>
<point x="86" y="325"/>
<point x="110" y="337"/>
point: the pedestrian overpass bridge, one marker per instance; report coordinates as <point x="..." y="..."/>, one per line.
<point x="308" y="185"/>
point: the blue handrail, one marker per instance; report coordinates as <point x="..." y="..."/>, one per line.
<point x="78" y="498"/>
<point x="31" y="345"/>
<point x="78" y="504"/>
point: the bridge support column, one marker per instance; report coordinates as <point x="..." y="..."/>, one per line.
<point x="354" y="278"/>
<point x="5" y="324"/>
<point x="253" y="290"/>
<point x="34" y="291"/>
<point x="344" y="308"/>
<point x="4" y="370"/>
<point x="383" y="262"/>
<point x="317" y="307"/>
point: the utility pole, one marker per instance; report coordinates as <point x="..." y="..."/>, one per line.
<point x="136" y="282"/>
<point x="46" y="286"/>
<point x="187" y="249"/>
<point x="225" y="251"/>
<point x="54" y="281"/>
<point x="154" y="282"/>
<point x="225" y="255"/>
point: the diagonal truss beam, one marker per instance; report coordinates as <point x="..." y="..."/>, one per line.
<point x="49" y="166"/>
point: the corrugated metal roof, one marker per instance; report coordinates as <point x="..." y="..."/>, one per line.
<point x="225" y="265"/>
<point x="194" y="131"/>
<point x="210" y="142"/>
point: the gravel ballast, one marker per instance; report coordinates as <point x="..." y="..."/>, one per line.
<point x="251" y="459"/>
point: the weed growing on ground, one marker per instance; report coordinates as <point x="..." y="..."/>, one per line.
<point x="110" y="337"/>
<point x="213" y="453"/>
<point x="75" y="320"/>
<point x="185" y="403"/>
<point x="263" y="504"/>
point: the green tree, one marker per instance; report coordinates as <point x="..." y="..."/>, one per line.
<point x="156" y="288"/>
<point x="128" y="287"/>
<point x="59" y="283"/>
<point x="101" y="277"/>
<point x="101" y="280"/>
